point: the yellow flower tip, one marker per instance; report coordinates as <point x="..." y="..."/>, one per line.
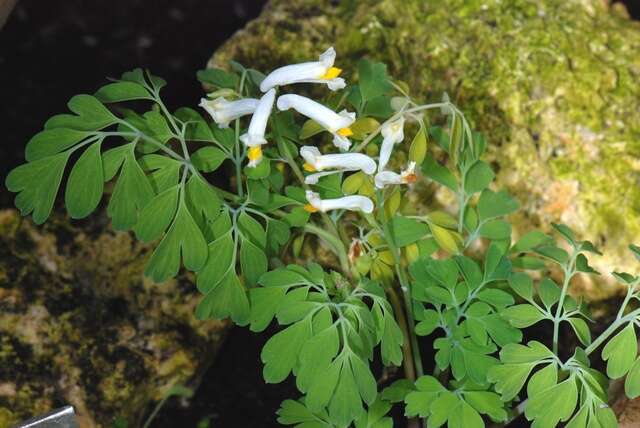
<point x="310" y="208"/>
<point x="332" y="73"/>
<point x="345" y="132"/>
<point x="308" y="167"/>
<point x="255" y="153"/>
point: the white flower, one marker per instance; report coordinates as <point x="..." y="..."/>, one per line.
<point x="392" y="134"/>
<point x="336" y="123"/>
<point x="351" y="203"/>
<point x="407" y="176"/>
<point x="321" y="71"/>
<point x="223" y="111"/>
<point x="315" y="161"/>
<point x="254" y="138"/>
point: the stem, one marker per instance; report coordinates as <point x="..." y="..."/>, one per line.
<point x="568" y="274"/>
<point x="334" y="241"/>
<point x="404" y="285"/>
<point x="396" y="304"/>
<point x="612" y="328"/>
<point x="237" y="159"/>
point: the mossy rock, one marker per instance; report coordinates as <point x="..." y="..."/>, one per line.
<point x="80" y="325"/>
<point x="552" y="84"/>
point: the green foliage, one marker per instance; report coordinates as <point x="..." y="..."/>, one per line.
<point x="381" y="285"/>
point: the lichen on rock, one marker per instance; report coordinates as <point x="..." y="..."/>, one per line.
<point x="552" y="84"/>
<point x="80" y="325"/>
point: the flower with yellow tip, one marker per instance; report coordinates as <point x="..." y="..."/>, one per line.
<point x="318" y="163"/>
<point x="351" y="203"/>
<point x="254" y="138"/>
<point x="407" y="176"/>
<point x="321" y="71"/>
<point x="223" y="111"/>
<point x="392" y="134"/>
<point x="336" y="123"/>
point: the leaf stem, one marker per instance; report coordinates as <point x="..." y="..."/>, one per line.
<point x="612" y="328"/>
<point x="569" y="271"/>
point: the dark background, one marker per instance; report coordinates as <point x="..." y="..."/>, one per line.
<point x="53" y="49"/>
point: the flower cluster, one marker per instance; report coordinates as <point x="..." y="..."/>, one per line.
<point x="338" y="124"/>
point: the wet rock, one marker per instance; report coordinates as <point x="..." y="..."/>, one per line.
<point x="553" y="85"/>
<point x="80" y="325"/>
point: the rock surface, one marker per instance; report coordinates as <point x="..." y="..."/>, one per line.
<point x="553" y="85"/>
<point x="80" y="325"/>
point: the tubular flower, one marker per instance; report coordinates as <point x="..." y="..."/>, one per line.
<point x="254" y="138"/>
<point x="336" y="123"/>
<point x="351" y="203"/>
<point x="392" y="134"/>
<point x="223" y="111"/>
<point x="407" y="176"/>
<point x="315" y="161"/>
<point x="321" y="71"/>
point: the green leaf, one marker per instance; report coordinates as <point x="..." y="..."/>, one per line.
<point x="218" y="78"/>
<point x="37" y="183"/>
<point x="224" y="295"/>
<point x="465" y="416"/>
<point x="495" y="204"/>
<point x="165" y="171"/>
<point x="406" y="231"/>
<point x="201" y="198"/>
<point x="522" y="316"/>
<point x="252" y="261"/>
<point x="392" y="339"/>
<point x="157" y="215"/>
<point x="487" y="403"/>
<point x="553" y="404"/>
<point x="419" y="402"/>
<point x="280" y="353"/>
<point x="397" y="391"/>
<point x="582" y="265"/>
<point x="345" y="405"/>
<point x="51" y="142"/>
<point x="85" y="184"/>
<point x="428" y="324"/>
<point x="620" y="352"/>
<point x="442" y="407"/>
<point x="293" y="412"/>
<point x="131" y="193"/>
<point x="122" y="91"/>
<point x="91" y="115"/>
<point x="632" y="383"/>
<point x="183" y="238"/>
<point x="582" y="330"/>
<point x="554" y="253"/>
<point x="478" y="177"/>
<point x="432" y="169"/>
<point x="373" y="80"/>
<point x="522" y="284"/>
<point x="208" y="159"/>
<point x="530" y="240"/>
<point x="566" y="233"/>
<point x="252" y="230"/>
<point x="495" y="229"/>
<point x="495" y="297"/>
<point x="364" y="379"/>
<point x="549" y="292"/>
<point x="309" y="129"/>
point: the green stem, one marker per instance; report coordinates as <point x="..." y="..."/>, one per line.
<point x="612" y="328"/>
<point x="407" y="355"/>
<point x="404" y="285"/>
<point x="568" y="274"/>
<point x="334" y="241"/>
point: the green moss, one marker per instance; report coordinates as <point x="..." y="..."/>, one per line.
<point x="552" y="84"/>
